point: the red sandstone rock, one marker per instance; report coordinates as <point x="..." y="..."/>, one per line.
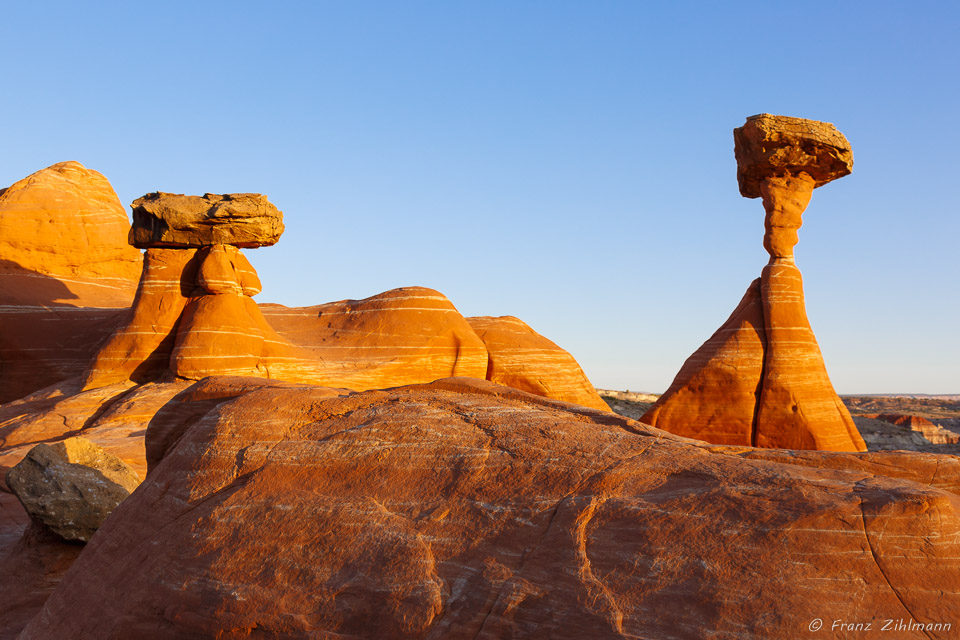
<point x="797" y="407"/>
<point x="30" y="568"/>
<point x="65" y="273"/>
<point x="139" y="350"/>
<point x="402" y="336"/>
<point x="192" y="317"/>
<point x="66" y="221"/>
<point x="714" y="396"/>
<point x="760" y="380"/>
<point x="519" y="357"/>
<point x="115" y="418"/>
<point x="173" y="220"/>
<point x="463" y="509"/>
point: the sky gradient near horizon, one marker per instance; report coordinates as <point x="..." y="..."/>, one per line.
<point x="569" y="163"/>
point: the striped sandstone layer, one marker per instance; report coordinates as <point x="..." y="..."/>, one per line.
<point x="760" y="379"/>
<point x="403" y="336"/>
<point x="66" y="273"/>
<point x="463" y="509"/>
<point x="519" y="357"/>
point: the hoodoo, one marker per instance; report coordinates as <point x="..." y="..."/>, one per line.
<point x="760" y="379"/>
<point x="194" y="312"/>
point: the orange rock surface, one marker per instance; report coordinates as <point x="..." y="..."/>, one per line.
<point x="402" y="336"/>
<point x="760" y="380"/>
<point x="66" y="221"/>
<point x="463" y="509"/>
<point x="66" y="273"/>
<point x="519" y="357"/>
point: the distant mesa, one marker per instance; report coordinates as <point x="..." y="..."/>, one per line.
<point x="932" y="432"/>
<point x="760" y="379"/>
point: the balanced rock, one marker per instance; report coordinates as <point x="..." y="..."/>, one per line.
<point x="193" y="315"/>
<point x="71" y="486"/>
<point x="760" y="379"/>
<point x="173" y="220"/>
<point x="464" y="509"/>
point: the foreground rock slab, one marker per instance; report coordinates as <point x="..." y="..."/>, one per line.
<point x="464" y="509"/>
<point x="71" y="486"/>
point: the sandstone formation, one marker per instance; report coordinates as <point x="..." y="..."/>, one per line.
<point x="66" y="221"/>
<point x="463" y="509"/>
<point x="414" y="335"/>
<point x="66" y="273"/>
<point x="402" y="336"/>
<point x="519" y="357"/>
<point x="71" y="486"/>
<point x="245" y="220"/>
<point x="934" y="433"/>
<point x="760" y="379"/>
<point x="193" y="315"/>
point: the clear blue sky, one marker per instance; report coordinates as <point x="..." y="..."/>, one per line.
<point x="570" y="163"/>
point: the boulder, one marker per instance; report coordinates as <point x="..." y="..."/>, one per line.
<point x="464" y="509"/>
<point x="173" y="220"/>
<point x="71" y="486"/>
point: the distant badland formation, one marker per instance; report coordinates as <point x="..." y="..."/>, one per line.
<point x="179" y="461"/>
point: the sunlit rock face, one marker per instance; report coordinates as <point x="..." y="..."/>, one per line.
<point x="464" y="509"/>
<point x="760" y="379"/>
<point x="66" y="274"/>
<point x="520" y="357"/>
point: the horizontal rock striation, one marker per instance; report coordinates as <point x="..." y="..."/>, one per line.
<point x="519" y="357"/>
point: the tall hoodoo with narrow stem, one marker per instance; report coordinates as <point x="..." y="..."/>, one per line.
<point x="760" y="379"/>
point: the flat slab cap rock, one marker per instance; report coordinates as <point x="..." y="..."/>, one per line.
<point x="768" y="146"/>
<point x="244" y="220"/>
